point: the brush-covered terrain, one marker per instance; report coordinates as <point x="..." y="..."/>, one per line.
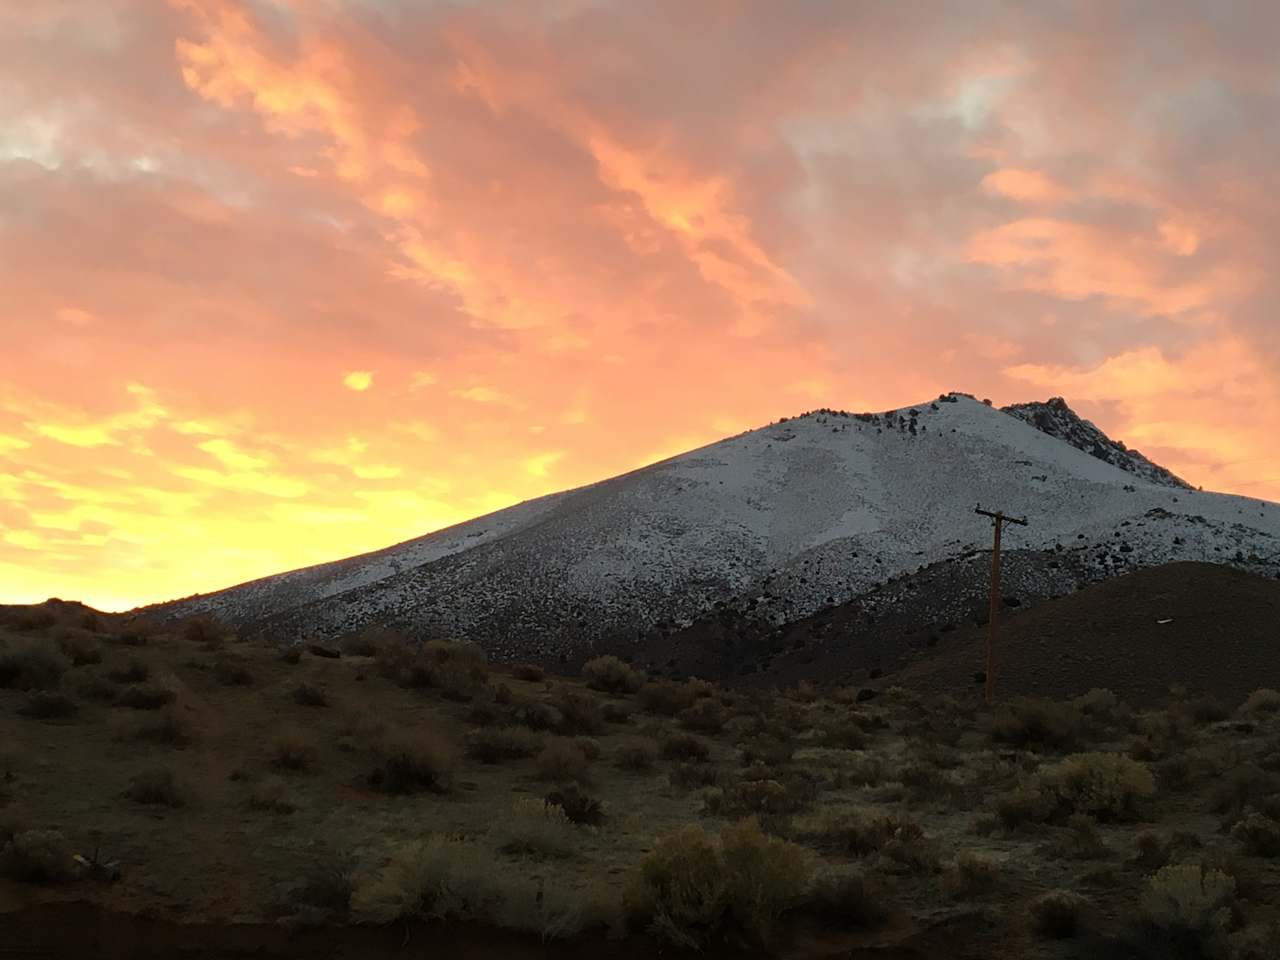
<point x="395" y="793"/>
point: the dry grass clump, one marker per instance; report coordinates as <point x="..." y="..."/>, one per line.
<point x="696" y="889"/>
<point x="31" y="664"/>
<point x="536" y="828"/>
<point x="499" y="744"/>
<point x="81" y="651"/>
<point x="846" y="900"/>
<point x="579" y="711"/>
<point x="37" y="856"/>
<point x="144" y="697"/>
<point x="686" y="747"/>
<point x="562" y="759"/>
<point x="1036" y="723"/>
<point x="171" y="729"/>
<point x="97" y="688"/>
<point x="636" y="754"/>
<point x="327" y="886"/>
<point x="705" y="716"/>
<point x="232" y="672"/>
<point x="271" y="796"/>
<point x="156" y="787"/>
<point x="135" y="671"/>
<point x="579" y="806"/>
<point x="412" y="762"/>
<point x="612" y="675"/>
<point x="665" y="698"/>
<point x="1188" y="906"/>
<point x="1262" y="701"/>
<point x="1241" y="786"/>
<point x="293" y="751"/>
<point x="856" y="831"/>
<point x="972" y="875"/>
<point x="44" y="705"/>
<point x="1258" y="834"/>
<point x="528" y="672"/>
<point x="1057" y="914"/>
<point x="309" y="695"/>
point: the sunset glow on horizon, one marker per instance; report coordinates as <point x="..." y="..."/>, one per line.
<point x="286" y="281"/>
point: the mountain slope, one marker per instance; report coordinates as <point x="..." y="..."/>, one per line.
<point x="781" y="521"/>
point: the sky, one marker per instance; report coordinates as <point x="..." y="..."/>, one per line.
<point x="286" y="280"/>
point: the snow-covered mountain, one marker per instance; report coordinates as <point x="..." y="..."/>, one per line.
<point x="784" y="520"/>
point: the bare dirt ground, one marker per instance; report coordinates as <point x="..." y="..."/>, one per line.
<point x="278" y="823"/>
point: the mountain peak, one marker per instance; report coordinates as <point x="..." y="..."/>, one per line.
<point x="1057" y="419"/>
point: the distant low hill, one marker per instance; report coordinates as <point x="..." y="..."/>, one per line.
<point x="1210" y="627"/>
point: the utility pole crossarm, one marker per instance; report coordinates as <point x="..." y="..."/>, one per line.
<point x="1003" y="518"/>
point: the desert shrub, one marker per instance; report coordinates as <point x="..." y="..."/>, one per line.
<point x="205" y="630"/>
<point x="1188" y="906"/>
<point x="291" y="655"/>
<point x="924" y="782"/>
<point x="457" y="681"/>
<point x="1185" y="770"/>
<point x="170" y="729"/>
<point x="293" y="751"/>
<point x="854" y="831"/>
<point x="1080" y="840"/>
<point x="96" y="688"/>
<point x="328" y="885"/>
<point x="1258" y="834"/>
<point x="1152" y="851"/>
<point x="35" y="618"/>
<point x="686" y="747"/>
<point x="503" y="696"/>
<point x="308" y="695"/>
<point x="579" y="712"/>
<point x="155" y="787"/>
<point x="135" y="671"/>
<point x="1098" y="703"/>
<point x="81" y="651"/>
<point x="844" y="734"/>
<point x="706" y="715"/>
<point x="32" y="664"/>
<point x="528" y="672"/>
<point x="561" y="759"/>
<point x="44" y="705"/>
<point x="696" y="889"/>
<point x="499" y="744"/>
<point x="636" y="754"/>
<point x="144" y="697"/>
<point x="411" y="762"/>
<point x="1107" y="786"/>
<point x="611" y="675"/>
<point x="1036" y="723"/>
<point x="768" y="750"/>
<point x="615" y="712"/>
<point x="232" y="672"/>
<point x="539" y="716"/>
<point x="367" y="642"/>
<point x="767" y="800"/>
<point x="1240" y="786"/>
<point x="443" y="878"/>
<point x="36" y="856"/>
<point x="1057" y="914"/>
<point x="971" y="875"/>
<point x="847" y="900"/>
<point x="535" y="828"/>
<point x="691" y="776"/>
<point x="579" y="806"/>
<point x="1201" y="710"/>
<point x="359" y="733"/>
<point x="666" y="698"/>
<point x="1263" y="700"/>
<point x="271" y="796"/>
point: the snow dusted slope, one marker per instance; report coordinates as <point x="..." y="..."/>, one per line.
<point x="828" y="505"/>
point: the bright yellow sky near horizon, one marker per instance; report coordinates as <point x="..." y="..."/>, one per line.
<point x="284" y="282"/>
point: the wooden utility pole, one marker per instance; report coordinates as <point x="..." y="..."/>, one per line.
<point x="999" y="519"/>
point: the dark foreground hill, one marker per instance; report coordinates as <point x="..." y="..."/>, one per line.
<point x="1212" y="628"/>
